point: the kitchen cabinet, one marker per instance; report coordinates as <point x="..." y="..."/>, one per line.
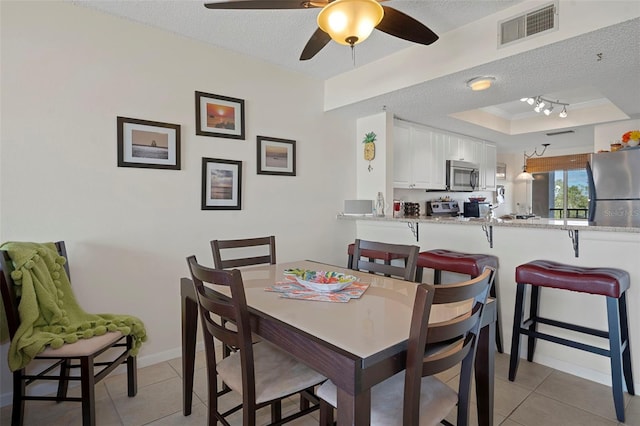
<point x="419" y="157"/>
<point x="488" y="167"/>
<point x="464" y="149"/>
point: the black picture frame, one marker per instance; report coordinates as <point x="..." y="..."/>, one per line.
<point x="219" y="116"/>
<point x="148" y="144"/>
<point x="276" y="156"/>
<point x="221" y="184"/>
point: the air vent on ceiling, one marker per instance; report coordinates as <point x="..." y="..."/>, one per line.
<point x="528" y="24"/>
<point x="561" y="132"/>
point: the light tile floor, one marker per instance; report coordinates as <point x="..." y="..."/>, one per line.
<point x="539" y="396"/>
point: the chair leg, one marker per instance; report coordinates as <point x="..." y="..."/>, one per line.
<point x="132" y="376"/>
<point x="534" y="309"/>
<point x="515" y="336"/>
<point x="63" y="385"/>
<point x="626" y="354"/>
<point x="326" y="413"/>
<point x="276" y="411"/>
<point x="87" y="384"/>
<point x="350" y="262"/>
<point x="419" y="272"/>
<point x="19" y="389"/>
<point x="437" y="276"/>
<point x="615" y="345"/>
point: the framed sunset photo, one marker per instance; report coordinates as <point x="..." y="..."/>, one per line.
<point x="219" y="116"/>
<point x="148" y="144"/>
<point x="221" y="184"/>
<point x="276" y="156"/>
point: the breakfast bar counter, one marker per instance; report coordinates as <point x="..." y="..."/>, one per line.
<point x="518" y="241"/>
<point x="567" y="224"/>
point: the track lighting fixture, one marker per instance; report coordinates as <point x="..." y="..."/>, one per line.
<point x="546" y="106"/>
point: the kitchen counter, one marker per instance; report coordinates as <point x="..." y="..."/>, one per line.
<point x="569" y="224"/>
<point x="517" y="241"/>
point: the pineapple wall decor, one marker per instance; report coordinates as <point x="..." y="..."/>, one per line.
<point x="369" y="148"/>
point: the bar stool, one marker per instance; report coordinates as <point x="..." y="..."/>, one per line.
<point x="609" y="282"/>
<point x="462" y="263"/>
<point x="372" y="255"/>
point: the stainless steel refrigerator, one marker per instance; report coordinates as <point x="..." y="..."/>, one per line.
<point x="614" y="188"/>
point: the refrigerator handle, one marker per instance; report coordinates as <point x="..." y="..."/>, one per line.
<point x="592" y="193"/>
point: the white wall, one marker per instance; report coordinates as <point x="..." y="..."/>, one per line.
<point x="378" y="178"/>
<point x="606" y="134"/>
<point x="67" y="72"/>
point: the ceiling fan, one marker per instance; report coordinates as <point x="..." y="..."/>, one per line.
<point x="347" y="22"/>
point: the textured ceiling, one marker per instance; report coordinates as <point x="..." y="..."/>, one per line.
<point x="568" y="70"/>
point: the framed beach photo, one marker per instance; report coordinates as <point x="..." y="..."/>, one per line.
<point x="148" y="144"/>
<point x="219" y="116"/>
<point x="221" y="184"/>
<point x="276" y="156"/>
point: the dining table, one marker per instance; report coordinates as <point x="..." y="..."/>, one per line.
<point x="356" y="343"/>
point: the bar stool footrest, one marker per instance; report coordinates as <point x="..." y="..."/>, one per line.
<point x="566" y="325"/>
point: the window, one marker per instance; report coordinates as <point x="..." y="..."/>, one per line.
<point x="560" y="189"/>
<point x="561" y="194"/>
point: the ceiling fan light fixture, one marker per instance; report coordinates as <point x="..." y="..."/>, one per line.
<point x="480" y="83"/>
<point x="350" y="22"/>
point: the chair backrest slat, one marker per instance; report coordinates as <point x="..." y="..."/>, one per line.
<point x="218" y="246"/>
<point x="400" y="252"/>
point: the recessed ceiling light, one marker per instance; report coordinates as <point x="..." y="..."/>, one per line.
<point x="480" y="83"/>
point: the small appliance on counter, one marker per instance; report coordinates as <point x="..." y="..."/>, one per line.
<point x="476" y="209"/>
<point x="358" y="207"/>
<point x="442" y="208"/>
<point x="411" y="209"/>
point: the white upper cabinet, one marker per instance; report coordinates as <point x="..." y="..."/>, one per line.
<point x="463" y="149"/>
<point x="488" y="167"/>
<point x="402" y="177"/>
<point x="420" y="155"/>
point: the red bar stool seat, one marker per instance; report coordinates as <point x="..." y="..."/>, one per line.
<point x="609" y="282"/>
<point x="462" y="263"/>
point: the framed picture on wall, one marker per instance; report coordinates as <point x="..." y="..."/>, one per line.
<point x="276" y="156"/>
<point x="221" y="184"/>
<point x="219" y="116"/>
<point x="148" y="144"/>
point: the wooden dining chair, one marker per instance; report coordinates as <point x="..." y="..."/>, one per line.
<point x="112" y="347"/>
<point x="415" y="396"/>
<point x="398" y="251"/>
<point x="261" y="373"/>
<point x="265" y="252"/>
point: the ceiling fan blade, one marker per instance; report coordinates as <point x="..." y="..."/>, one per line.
<point x="266" y="4"/>
<point x="405" y="27"/>
<point x="318" y="40"/>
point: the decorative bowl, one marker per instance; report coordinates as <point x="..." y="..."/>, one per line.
<point x="477" y="199"/>
<point x="321" y="281"/>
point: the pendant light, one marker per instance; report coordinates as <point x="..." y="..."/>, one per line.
<point x="350" y="22"/>
<point x="525" y="176"/>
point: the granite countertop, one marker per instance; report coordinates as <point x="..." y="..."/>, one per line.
<point x="579" y="224"/>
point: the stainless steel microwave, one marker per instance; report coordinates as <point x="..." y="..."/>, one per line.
<point x="462" y="176"/>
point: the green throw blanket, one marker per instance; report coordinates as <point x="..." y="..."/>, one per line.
<point x="49" y="312"/>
